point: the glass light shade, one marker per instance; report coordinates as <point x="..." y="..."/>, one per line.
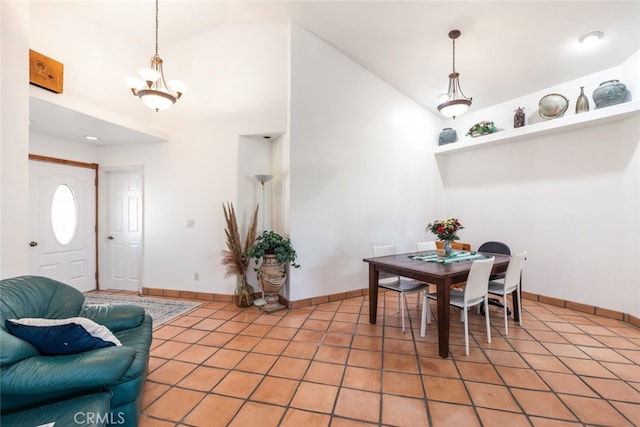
<point x="156" y="100"/>
<point x="134" y="83"/>
<point x="455" y="108"/>
<point x="149" y="74"/>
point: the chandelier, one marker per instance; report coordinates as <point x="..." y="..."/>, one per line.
<point x="456" y="103"/>
<point x="152" y="88"/>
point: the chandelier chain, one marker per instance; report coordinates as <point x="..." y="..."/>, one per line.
<point x="454" y="55"/>
<point x="156" y="27"/>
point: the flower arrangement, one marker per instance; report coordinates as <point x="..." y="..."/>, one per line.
<point x="482" y="128"/>
<point x="445" y="230"/>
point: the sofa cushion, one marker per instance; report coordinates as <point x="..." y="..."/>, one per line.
<point x="62" y="336"/>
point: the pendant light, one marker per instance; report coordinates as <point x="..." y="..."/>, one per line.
<point x="152" y="88"/>
<point x="456" y="103"/>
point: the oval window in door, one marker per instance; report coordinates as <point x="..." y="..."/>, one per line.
<point x="64" y="214"/>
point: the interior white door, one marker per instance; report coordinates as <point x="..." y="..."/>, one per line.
<point x="62" y="223"/>
<point x="124" y="231"/>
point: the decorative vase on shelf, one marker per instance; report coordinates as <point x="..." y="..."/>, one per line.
<point x="518" y="118"/>
<point x="609" y="93"/>
<point x="582" y="103"/>
<point x="447" y="136"/>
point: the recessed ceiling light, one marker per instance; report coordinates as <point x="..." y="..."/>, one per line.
<point x="591" y="39"/>
<point x="91" y="138"/>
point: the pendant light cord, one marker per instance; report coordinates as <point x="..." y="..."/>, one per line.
<point x="454" y="55"/>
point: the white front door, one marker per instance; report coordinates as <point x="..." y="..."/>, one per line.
<point x="124" y="231"/>
<point x="62" y="223"/>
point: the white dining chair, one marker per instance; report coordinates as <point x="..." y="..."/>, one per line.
<point x="509" y="284"/>
<point x="396" y="283"/>
<point x="474" y="293"/>
<point x="426" y="246"/>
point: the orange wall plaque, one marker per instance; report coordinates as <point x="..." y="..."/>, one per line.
<point x="45" y="72"/>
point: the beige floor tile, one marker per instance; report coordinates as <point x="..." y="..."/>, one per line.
<point x="257" y="363"/>
<point x="301" y="350"/>
<point x="365" y="359"/>
<point x="224" y="358"/>
<point x="242" y="342"/>
<point x="400" y="362"/>
<point x="270" y="346"/>
<point x="614" y="390"/>
<point x="587" y="367"/>
<point x="624" y="371"/>
<point x="630" y="411"/>
<point x="477" y="372"/>
<point x="152" y="391"/>
<point x="253" y="413"/>
<point x="332" y="354"/>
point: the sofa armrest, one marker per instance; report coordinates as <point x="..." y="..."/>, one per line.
<point x="115" y="317"/>
<point x="89" y="370"/>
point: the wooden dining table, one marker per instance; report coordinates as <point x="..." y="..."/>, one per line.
<point x="438" y="274"/>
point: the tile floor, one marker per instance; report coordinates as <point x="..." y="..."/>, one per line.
<point x="325" y="365"/>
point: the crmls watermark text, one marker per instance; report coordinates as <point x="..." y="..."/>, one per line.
<point x="110" y="418"/>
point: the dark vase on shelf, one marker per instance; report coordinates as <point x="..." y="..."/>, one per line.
<point x="609" y="93"/>
<point x="582" y="103"/>
<point x="518" y="118"/>
<point x="447" y="136"/>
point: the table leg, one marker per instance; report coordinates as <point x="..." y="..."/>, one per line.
<point x="374" y="275"/>
<point x="444" y="293"/>
<point x="516" y="304"/>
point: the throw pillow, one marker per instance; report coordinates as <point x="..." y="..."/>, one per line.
<point x="62" y="336"/>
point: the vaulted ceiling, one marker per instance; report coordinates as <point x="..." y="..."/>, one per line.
<point x="507" y="48"/>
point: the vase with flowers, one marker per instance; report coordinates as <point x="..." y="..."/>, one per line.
<point x="446" y="231"/>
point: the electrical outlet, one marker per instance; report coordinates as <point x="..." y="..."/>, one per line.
<point x="196" y="276"/>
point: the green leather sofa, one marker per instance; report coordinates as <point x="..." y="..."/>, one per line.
<point x="30" y="380"/>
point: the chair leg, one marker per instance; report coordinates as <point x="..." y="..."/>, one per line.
<point x="425" y="313"/>
<point x="486" y="316"/>
<point x="466" y="330"/>
<point x="429" y="314"/>
<point x="519" y="304"/>
<point x="506" y="323"/>
<point x="404" y="302"/>
<point x="398" y="302"/>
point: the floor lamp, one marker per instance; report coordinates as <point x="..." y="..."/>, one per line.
<point x="262" y="179"/>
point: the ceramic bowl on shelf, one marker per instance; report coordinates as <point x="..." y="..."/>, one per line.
<point x="552" y="106"/>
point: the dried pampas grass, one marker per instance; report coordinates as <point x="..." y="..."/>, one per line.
<point x="234" y="257"/>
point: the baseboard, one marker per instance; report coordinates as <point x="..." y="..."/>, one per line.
<point x="585" y="308"/>
<point x="205" y="296"/>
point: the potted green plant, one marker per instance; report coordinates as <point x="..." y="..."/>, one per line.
<point x="273" y="253"/>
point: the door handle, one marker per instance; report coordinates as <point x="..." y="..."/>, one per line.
<point x="110" y="237"/>
<point x="32" y="243"/>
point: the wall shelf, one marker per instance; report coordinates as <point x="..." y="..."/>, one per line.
<point x="563" y="124"/>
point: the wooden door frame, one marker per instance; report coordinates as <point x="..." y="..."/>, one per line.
<point x="95" y="167"/>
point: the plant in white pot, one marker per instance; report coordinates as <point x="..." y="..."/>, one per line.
<point x="273" y="253"/>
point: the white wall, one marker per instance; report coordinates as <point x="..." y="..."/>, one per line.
<point x="237" y="80"/>
<point x="570" y="199"/>
<point x="362" y="169"/>
<point x="14" y="128"/>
